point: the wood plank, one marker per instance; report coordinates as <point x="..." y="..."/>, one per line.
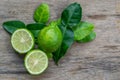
<point x="97" y="60"/>
<point x="98" y="7"/>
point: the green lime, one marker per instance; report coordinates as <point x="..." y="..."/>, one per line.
<point x="36" y="62"/>
<point x="49" y="38"/>
<point x="22" y="40"/>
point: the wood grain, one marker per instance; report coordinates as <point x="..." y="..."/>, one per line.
<point x="97" y="60"/>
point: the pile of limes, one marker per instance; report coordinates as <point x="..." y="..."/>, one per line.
<point x="39" y="40"/>
<point x="49" y="40"/>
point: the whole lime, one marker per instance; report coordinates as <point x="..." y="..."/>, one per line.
<point x="50" y="38"/>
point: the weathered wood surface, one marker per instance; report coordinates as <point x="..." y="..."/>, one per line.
<point x="97" y="60"/>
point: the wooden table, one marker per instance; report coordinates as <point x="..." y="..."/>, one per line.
<point x="97" y="60"/>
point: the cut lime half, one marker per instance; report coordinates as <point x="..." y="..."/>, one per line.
<point x="36" y="62"/>
<point x="22" y="40"/>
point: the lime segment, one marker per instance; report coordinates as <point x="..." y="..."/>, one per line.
<point x="36" y="62"/>
<point x="22" y="40"/>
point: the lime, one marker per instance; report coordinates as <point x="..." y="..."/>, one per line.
<point x="36" y="62"/>
<point x="22" y="40"/>
<point x="49" y="38"/>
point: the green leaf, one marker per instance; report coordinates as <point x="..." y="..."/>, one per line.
<point x="35" y="28"/>
<point x="71" y="16"/>
<point x="82" y="30"/>
<point x="68" y="39"/>
<point x="35" y="33"/>
<point x="88" y="38"/>
<point x="42" y="13"/>
<point x="11" y="26"/>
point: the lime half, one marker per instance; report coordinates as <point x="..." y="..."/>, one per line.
<point x="36" y="62"/>
<point x="22" y="40"/>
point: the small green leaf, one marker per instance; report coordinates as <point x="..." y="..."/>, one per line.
<point x="42" y="13"/>
<point x="11" y="26"/>
<point x="71" y="16"/>
<point x="82" y="30"/>
<point x="88" y="38"/>
<point x="35" y="33"/>
<point x="35" y="28"/>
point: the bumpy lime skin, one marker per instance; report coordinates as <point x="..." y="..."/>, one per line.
<point x="50" y="39"/>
